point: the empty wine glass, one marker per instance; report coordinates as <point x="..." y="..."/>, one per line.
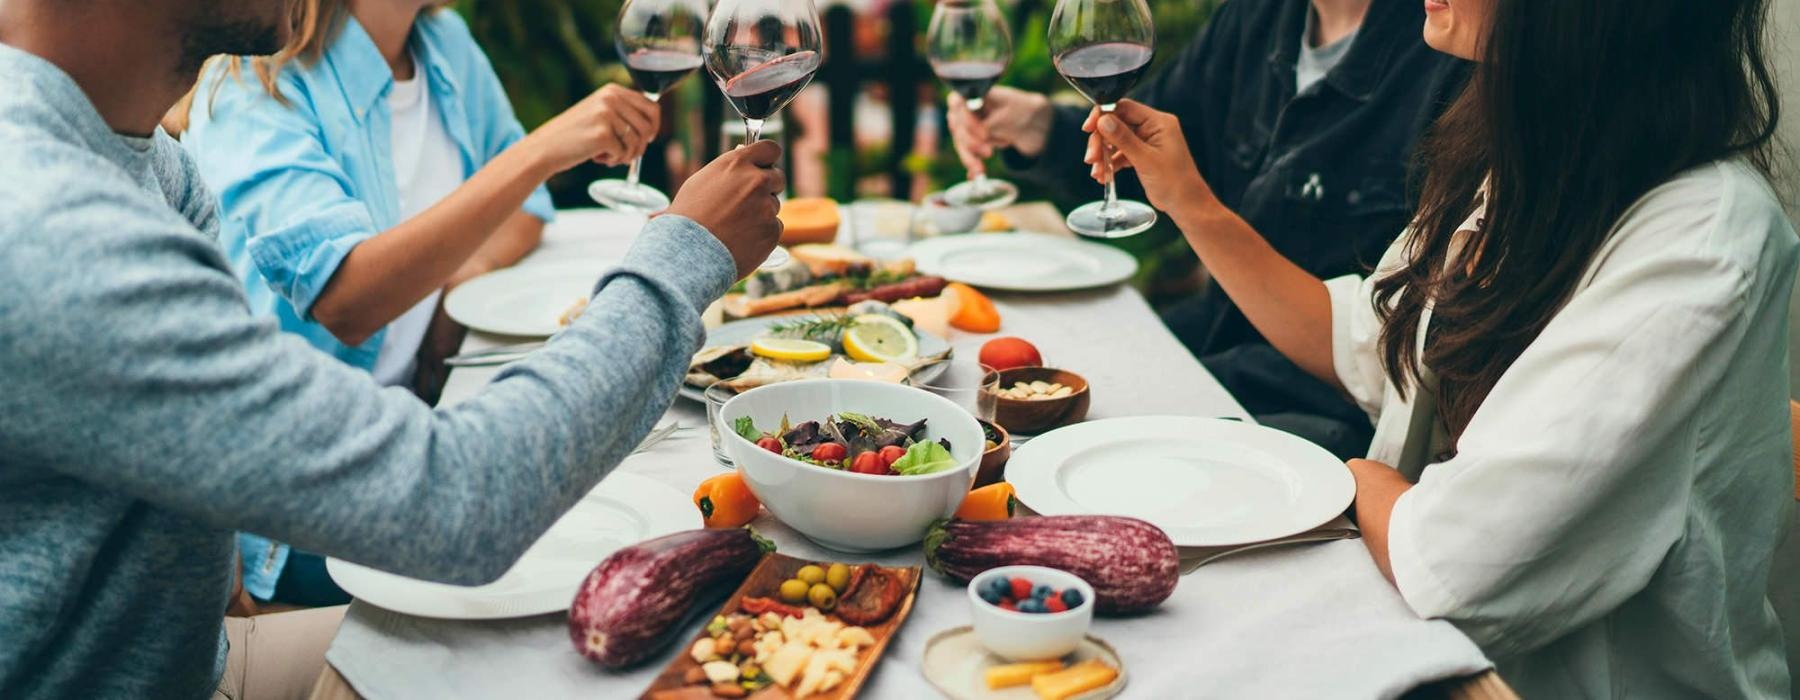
<point x="659" y="42"/>
<point x="1102" y="47"/>
<point x="762" y="53"/>
<point x="969" y="47"/>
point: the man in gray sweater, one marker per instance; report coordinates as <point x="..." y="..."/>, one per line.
<point x="145" y="414"/>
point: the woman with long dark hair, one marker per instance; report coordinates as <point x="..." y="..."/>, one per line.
<point x="1576" y="357"/>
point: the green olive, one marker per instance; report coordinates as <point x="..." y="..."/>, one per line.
<point x="822" y="597"/>
<point x="838" y="577"/>
<point x="793" y="590"/>
<point x="811" y="574"/>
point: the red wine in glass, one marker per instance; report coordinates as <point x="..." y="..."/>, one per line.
<point x="655" y="71"/>
<point x="971" y="79"/>
<point x="1102" y="47"/>
<point x="1104" y="73"/>
<point x="969" y="46"/>
<point x="761" y="91"/>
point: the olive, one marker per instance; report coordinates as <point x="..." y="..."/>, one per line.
<point x="793" y="590"/>
<point x="811" y="574"/>
<point x="822" y="597"/>
<point x="838" y="577"/>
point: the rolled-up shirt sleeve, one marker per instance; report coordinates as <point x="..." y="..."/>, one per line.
<point x="1570" y="484"/>
<point x="296" y="207"/>
<point x="1354" y="332"/>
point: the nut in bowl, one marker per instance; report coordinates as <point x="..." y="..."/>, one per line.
<point x="1033" y="400"/>
<point x="855" y="466"/>
<point x="1042" y="614"/>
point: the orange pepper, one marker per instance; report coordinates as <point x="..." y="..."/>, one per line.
<point x="971" y="310"/>
<point x="990" y="502"/>
<point x="725" y="501"/>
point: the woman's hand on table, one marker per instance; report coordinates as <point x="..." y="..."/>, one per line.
<point x="1378" y="488"/>
<point x="734" y="198"/>
<point x="1009" y="118"/>
<point x="1151" y="142"/>
<point x="612" y="126"/>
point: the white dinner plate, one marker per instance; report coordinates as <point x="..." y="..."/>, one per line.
<point x="623" y="510"/>
<point x="522" y="301"/>
<point x="742" y="332"/>
<point x="1023" y="262"/>
<point x="1207" y="482"/>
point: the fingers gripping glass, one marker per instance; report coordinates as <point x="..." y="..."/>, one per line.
<point x="1102" y="47"/>
<point x="659" y="43"/>
<point x="969" y="47"/>
<point x="762" y="53"/>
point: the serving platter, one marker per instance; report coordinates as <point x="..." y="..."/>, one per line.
<point x="623" y="510"/>
<point x="1023" y="262"/>
<point x="742" y="332"/>
<point x="523" y="301"/>
<point x="763" y="581"/>
<point x="1207" y="482"/>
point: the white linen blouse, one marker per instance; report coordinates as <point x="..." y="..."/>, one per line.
<point x="1606" y="525"/>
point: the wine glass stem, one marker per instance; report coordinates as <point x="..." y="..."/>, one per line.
<point x="1109" y="208"/>
<point x="637" y="164"/>
<point x="752" y="131"/>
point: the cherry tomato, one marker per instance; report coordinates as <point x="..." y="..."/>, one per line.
<point x="829" y="452"/>
<point x="770" y="444"/>
<point x="868" y="463"/>
<point x="892" y="454"/>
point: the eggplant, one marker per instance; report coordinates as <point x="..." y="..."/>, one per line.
<point x="1132" y="565"/>
<point x="630" y="606"/>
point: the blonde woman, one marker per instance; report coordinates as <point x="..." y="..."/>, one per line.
<point x="370" y="165"/>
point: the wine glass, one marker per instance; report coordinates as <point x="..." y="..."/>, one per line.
<point x="1102" y="47"/>
<point x="969" y="47"/>
<point x="762" y="53"/>
<point x="659" y="42"/>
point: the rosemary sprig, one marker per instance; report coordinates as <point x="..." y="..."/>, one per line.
<point x="823" y="329"/>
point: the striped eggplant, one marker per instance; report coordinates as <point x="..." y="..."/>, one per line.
<point x="1132" y="565"/>
<point x="631" y="605"/>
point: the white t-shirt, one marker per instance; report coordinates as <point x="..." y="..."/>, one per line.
<point x="1605" y="527"/>
<point x="1314" y="63"/>
<point x="427" y="167"/>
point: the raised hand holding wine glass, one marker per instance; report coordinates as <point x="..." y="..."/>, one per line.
<point x="659" y="42"/>
<point x="969" y="46"/>
<point x="1102" y="47"/>
<point x="762" y="53"/>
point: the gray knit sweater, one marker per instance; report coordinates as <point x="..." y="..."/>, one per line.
<point x="145" y="414"/>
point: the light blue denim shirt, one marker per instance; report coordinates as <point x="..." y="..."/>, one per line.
<point x="301" y="184"/>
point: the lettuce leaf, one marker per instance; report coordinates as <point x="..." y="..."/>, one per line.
<point x="925" y="457"/>
<point x="747" y="428"/>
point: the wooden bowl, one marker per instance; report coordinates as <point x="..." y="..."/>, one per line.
<point x="1033" y="416"/>
<point x="993" y="462"/>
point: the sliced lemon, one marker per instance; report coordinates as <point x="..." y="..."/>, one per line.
<point x="790" y="349"/>
<point x="877" y="338"/>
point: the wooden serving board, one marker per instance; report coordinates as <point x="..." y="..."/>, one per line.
<point x="764" y="581"/>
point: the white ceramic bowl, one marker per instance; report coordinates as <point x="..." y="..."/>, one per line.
<point x="838" y="509"/>
<point x="1019" y="636"/>
<point x="948" y="217"/>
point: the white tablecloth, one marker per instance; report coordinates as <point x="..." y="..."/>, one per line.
<point x="1305" y="621"/>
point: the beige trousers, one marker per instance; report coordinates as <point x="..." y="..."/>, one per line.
<point x="277" y="656"/>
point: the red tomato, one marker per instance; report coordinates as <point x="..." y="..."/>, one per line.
<point x="770" y="444"/>
<point x="829" y="452"/>
<point x="1021" y="588"/>
<point x="1007" y="353"/>
<point x="891" y="454"/>
<point x="868" y="463"/>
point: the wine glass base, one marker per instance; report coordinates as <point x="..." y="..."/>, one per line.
<point x="990" y="195"/>
<point x="777" y="257"/>
<point x="1126" y="218"/>
<point x="620" y="195"/>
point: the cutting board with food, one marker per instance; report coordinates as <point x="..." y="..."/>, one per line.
<point x="795" y="629"/>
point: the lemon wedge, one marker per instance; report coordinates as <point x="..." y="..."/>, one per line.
<point x="790" y="349"/>
<point x="877" y="338"/>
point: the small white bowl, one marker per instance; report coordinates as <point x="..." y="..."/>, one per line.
<point x="948" y="217"/>
<point x="842" y="510"/>
<point x="1019" y="636"/>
